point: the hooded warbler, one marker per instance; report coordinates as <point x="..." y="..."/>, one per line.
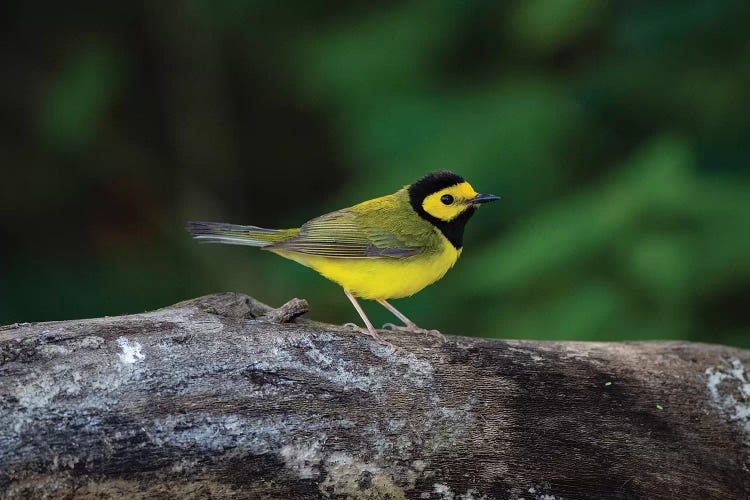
<point x="385" y="248"/>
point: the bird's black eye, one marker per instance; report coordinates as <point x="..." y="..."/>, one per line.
<point x="447" y="199"/>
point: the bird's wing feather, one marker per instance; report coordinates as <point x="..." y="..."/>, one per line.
<point x="346" y="234"/>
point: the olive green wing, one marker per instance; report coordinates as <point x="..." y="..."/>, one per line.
<point x="346" y="234"/>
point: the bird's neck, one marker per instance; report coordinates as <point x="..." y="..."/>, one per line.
<point x="453" y="230"/>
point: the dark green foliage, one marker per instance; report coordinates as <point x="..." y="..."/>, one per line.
<point x="617" y="133"/>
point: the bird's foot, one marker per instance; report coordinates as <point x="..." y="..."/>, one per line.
<point x="372" y="333"/>
<point x="413" y="328"/>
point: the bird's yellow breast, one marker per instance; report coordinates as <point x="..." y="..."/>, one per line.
<point x="382" y="277"/>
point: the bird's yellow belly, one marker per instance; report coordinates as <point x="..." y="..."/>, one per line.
<point x="381" y="278"/>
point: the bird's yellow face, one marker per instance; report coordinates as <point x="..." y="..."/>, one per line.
<point x="446" y="201"/>
<point x="450" y="202"/>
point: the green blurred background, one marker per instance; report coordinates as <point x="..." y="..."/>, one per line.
<point x="618" y="134"/>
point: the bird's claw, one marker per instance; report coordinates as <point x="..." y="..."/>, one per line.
<point x="394" y="348"/>
<point x="412" y="328"/>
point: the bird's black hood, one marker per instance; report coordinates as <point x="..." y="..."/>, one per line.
<point x="453" y="230"/>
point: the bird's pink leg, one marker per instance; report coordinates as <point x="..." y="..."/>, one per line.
<point x="410" y="325"/>
<point x="370" y="329"/>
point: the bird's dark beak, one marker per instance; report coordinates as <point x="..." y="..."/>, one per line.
<point x="483" y="198"/>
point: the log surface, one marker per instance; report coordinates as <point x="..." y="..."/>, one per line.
<point x="214" y="397"/>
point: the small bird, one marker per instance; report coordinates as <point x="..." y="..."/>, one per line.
<point x="385" y="248"/>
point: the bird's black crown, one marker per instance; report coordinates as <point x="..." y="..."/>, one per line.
<point x="432" y="183"/>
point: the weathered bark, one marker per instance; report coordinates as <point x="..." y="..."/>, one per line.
<point x="210" y="398"/>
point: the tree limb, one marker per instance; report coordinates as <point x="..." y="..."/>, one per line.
<point x="221" y="396"/>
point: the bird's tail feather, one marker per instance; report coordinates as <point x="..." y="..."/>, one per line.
<point x="232" y="234"/>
